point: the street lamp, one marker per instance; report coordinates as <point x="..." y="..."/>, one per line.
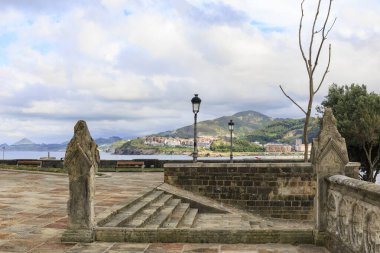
<point x="231" y="128"/>
<point x="196" y="101"/>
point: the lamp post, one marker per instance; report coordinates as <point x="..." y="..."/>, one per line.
<point x="231" y="128"/>
<point x="196" y="101"/>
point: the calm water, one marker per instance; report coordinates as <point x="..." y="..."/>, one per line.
<point x="103" y="156"/>
<point x="109" y="156"/>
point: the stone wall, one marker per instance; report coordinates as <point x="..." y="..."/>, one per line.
<point x="150" y="162"/>
<point x="278" y="190"/>
<point x="353" y="215"/>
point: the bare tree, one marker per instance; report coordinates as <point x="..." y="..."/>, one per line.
<point x="311" y="63"/>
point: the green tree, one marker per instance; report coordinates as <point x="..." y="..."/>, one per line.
<point x="239" y="145"/>
<point x="358" y="116"/>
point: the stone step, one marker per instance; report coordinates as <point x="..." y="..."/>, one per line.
<point x="177" y="216"/>
<point x="220" y="221"/>
<point x="147" y="213"/>
<point x="188" y="219"/>
<point x="127" y="213"/>
<point x="193" y="235"/>
<point x="163" y="215"/>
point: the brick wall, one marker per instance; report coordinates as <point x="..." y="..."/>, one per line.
<point x="278" y="190"/>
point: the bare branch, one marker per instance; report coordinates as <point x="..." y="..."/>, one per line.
<point x="332" y="25"/>
<point x="326" y="71"/>
<point x="324" y="37"/>
<point x="300" y="40"/>
<point x="320" y="30"/>
<point x="294" y="102"/>
<point x="312" y="33"/>
<point x="327" y="19"/>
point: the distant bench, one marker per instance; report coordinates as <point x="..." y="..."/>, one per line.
<point x="128" y="164"/>
<point x="34" y="163"/>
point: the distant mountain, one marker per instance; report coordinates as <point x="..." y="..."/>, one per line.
<point x="109" y="144"/>
<point x="24" y="141"/>
<point x="110" y="140"/>
<point x="4" y="145"/>
<point x="27" y="145"/>
<point x="245" y="123"/>
<point x="284" y="131"/>
<point x="249" y="126"/>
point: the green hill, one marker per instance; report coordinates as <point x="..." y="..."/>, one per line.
<point x="250" y="126"/>
<point x="245" y="123"/>
<point x="284" y="131"/>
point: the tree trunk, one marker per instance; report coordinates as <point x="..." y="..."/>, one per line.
<point x="376" y="173"/>
<point x="305" y="140"/>
<point x="307" y="119"/>
<point x="368" y="152"/>
<point x="305" y="136"/>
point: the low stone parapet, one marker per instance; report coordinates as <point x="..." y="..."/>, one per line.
<point x="353" y="215"/>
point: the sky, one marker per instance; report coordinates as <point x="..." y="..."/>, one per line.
<point x="130" y="67"/>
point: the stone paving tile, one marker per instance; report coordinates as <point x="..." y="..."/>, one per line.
<point x="18" y="245"/>
<point x="311" y="249"/>
<point x="129" y="247"/>
<point x="33" y="216"/>
<point x="231" y="248"/>
<point x="201" y="248"/>
<point x="165" y="248"/>
<point x="50" y="247"/>
<point x="96" y="247"/>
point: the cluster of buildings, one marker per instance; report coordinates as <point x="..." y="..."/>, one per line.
<point x="278" y="147"/>
<point x="206" y="141"/>
<point x="299" y="147"/>
<point x="203" y="141"/>
<point x="286" y="148"/>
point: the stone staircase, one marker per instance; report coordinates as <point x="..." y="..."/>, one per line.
<point x="155" y="210"/>
<point x="169" y="214"/>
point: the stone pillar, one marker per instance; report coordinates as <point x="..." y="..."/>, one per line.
<point x="329" y="157"/>
<point x="81" y="160"/>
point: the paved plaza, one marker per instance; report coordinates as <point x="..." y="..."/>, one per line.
<point x="33" y="216"/>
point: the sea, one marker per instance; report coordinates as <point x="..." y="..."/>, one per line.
<point x="9" y="155"/>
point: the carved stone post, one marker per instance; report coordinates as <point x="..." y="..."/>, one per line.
<point x="329" y="157"/>
<point x="81" y="160"/>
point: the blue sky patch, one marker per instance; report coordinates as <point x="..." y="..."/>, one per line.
<point x="127" y="12"/>
<point x="217" y="13"/>
<point x="6" y="39"/>
<point x="3" y="58"/>
<point x="43" y="48"/>
<point x="265" y="28"/>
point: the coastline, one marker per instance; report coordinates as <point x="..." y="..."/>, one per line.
<point x="209" y="153"/>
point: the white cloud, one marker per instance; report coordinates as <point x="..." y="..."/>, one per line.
<point x="131" y="67"/>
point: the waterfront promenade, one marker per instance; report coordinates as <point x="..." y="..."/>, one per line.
<point x="33" y="216"/>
